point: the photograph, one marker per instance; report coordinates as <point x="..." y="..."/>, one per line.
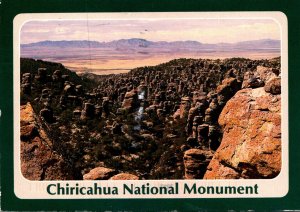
<point x="150" y="98"/>
<point x="149" y="105"/>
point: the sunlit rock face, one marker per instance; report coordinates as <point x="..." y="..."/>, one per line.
<point x="251" y="144"/>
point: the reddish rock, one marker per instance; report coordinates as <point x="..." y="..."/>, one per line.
<point x="227" y="89"/>
<point x="265" y="73"/>
<point x="199" y="96"/>
<point x="246" y="81"/>
<point x="185" y="106"/>
<point x="192" y="113"/>
<point x="38" y="162"/>
<point x="259" y="78"/>
<point x="251" y="144"/>
<point x="176" y="115"/>
<point x="216" y="170"/>
<point x="124" y="176"/>
<point x="99" y="173"/>
<point x="227" y="83"/>
<point x="130" y="94"/>
<point x="26" y="114"/>
<point x="203" y="130"/>
<point x="130" y="101"/>
<point x="273" y="86"/>
<point x="28" y="131"/>
<point x="195" y="163"/>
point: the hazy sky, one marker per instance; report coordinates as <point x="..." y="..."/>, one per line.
<point x="202" y="30"/>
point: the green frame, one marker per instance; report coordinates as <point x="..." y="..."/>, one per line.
<point x="10" y="8"/>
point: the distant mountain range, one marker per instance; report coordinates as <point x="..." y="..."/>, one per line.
<point x="137" y="43"/>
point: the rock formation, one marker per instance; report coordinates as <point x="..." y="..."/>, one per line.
<point x="195" y="163"/>
<point x="251" y="144"/>
<point x="130" y="101"/>
<point x="124" y="176"/>
<point x="38" y="161"/>
<point x="99" y="173"/>
<point x="154" y="122"/>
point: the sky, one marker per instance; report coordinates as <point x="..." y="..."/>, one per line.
<point x="201" y="30"/>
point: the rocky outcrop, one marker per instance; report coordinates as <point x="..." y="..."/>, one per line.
<point x="185" y="106"/>
<point x="251" y="144"/>
<point x="260" y="77"/>
<point x="130" y="101"/>
<point x="38" y="162"/>
<point x="124" y="176"/>
<point x="99" y="173"/>
<point x="273" y="86"/>
<point x="26" y="83"/>
<point x="195" y="163"/>
<point x="88" y="111"/>
<point x="227" y="89"/>
<point x="141" y="122"/>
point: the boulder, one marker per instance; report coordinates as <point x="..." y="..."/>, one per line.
<point x="124" y="176"/>
<point x="251" y="143"/>
<point x="28" y="128"/>
<point x="99" y="173"/>
<point x="26" y="114"/>
<point x="273" y="86"/>
<point x="227" y="89"/>
<point x="259" y="77"/>
<point x="253" y="82"/>
<point x="265" y="73"/>
<point x="130" y="102"/>
<point x="28" y="131"/>
<point x="195" y="163"/>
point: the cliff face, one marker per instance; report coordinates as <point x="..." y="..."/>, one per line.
<point x="38" y="161"/>
<point x="251" y="144"/>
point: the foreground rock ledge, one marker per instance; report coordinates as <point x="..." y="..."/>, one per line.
<point x="251" y="144"/>
<point x="38" y="161"/>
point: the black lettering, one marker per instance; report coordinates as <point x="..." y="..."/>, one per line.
<point x="49" y="189"/>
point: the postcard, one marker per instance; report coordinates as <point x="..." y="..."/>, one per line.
<point x="180" y="105"/>
<point x="135" y="111"/>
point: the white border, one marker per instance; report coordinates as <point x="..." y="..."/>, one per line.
<point x="277" y="187"/>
